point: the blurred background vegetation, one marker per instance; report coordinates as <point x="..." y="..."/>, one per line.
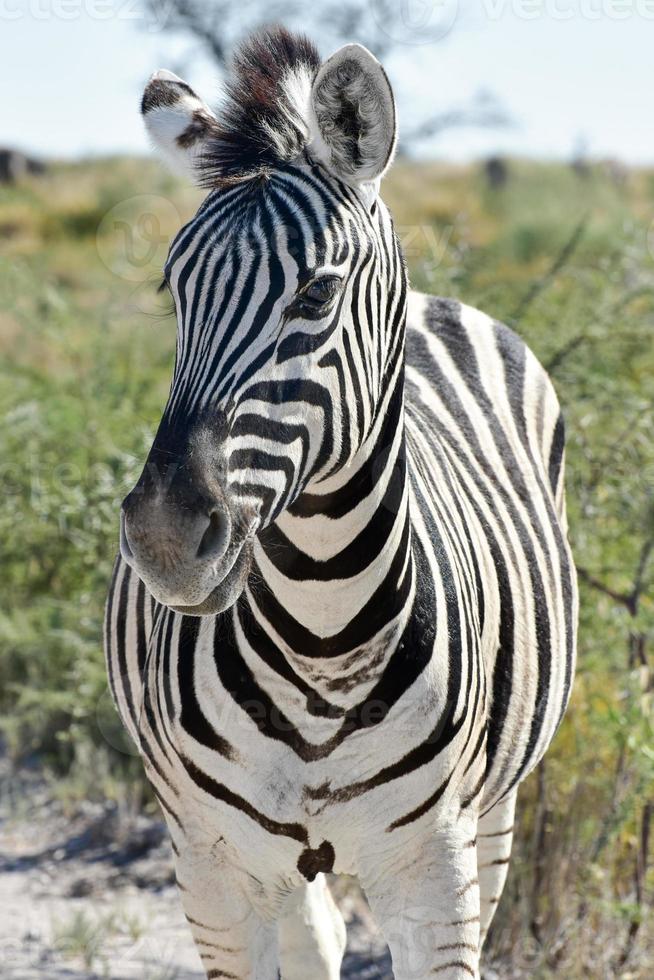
<point x="565" y="256"/>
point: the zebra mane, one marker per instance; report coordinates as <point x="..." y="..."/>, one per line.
<point x="264" y="118"/>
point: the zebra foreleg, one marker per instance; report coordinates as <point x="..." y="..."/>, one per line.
<point x="494" y="839"/>
<point x="427" y="906"/>
<point x="231" y="938"/>
<point x="312" y="935"/>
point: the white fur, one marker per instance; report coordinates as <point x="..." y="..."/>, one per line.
<point x="165" y="124"/>
<point x="296" y="106"/>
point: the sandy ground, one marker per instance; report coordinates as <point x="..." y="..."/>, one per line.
<point x="93" y="896"/>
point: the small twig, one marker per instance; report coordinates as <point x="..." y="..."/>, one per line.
<point x="640" y="874"/>
<point x="560" y="355"/>
<point x="606" y="317"/>
<point x="562" y="258"/>
<point x="639" y="581"/>
<point x="624" y="598"/>
<point x="630" y="600"/>
<point x="455" y="118"/>
<point x="598" y="468"/>
<point x="610" y="818"/>
<point x="540" y="831"/>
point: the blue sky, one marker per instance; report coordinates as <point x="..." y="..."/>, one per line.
<point x="565" y="70"/>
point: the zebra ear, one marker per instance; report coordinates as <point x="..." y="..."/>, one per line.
<point x="177" y="121"/>
<point x="354" y="125"/>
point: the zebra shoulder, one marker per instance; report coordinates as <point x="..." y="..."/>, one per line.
<point x="498" y="366"/>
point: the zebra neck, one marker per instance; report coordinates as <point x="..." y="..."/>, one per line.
<point x="334" y="575"/>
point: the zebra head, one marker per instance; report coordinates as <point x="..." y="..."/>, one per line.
<point x="290" y="295"/>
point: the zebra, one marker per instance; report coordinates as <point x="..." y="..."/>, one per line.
<point x="341" y="626"/>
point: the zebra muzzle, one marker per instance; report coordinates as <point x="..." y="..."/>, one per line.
<point x="185" y="549"/>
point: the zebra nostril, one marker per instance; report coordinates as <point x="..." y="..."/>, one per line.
<point x="216" y="537"/>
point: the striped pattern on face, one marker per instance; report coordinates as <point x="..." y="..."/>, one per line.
<point x="299" y="384"/>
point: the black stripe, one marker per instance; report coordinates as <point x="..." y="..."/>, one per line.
<point x="192" y="718"/>
<point x="219" y="792"/>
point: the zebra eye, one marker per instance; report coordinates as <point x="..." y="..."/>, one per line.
<point x="321" y="291"/>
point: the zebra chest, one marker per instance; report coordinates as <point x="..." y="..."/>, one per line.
<point x="280" y="820"/>
<point x="287" y="791"/>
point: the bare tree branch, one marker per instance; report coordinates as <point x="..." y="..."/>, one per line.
<point x="623" y="598"/>
<point x="599" y="465"/>
<point x="608" y="316"/>
<point x="539" y="852"/>
<point x="643" y="561"/>
<point x="562" y="353"/>
<point x="630" y="600"/>
<point x="482" y="116"/>
<point x="560" y="261"/>
<point x="640" y="876"/>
